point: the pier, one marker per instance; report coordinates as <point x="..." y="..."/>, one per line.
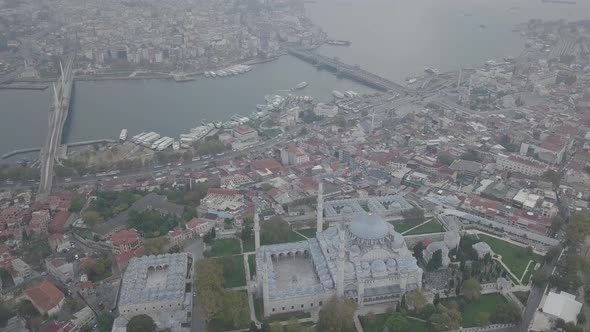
<point x="58" y="113"/>
<point x="352" y="72"/>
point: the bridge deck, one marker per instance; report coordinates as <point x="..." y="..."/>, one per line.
<point x="352" y="72"/>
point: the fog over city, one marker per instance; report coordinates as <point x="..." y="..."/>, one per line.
<point x="294" y="165"/>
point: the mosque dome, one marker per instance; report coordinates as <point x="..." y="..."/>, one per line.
<point x="369" y="227"/>
<point x="378" y="266"/>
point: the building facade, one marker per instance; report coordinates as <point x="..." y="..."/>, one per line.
<point x="365" y="260"/>
<point x="523" y="165"/>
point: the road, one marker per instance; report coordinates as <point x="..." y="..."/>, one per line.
<point x="57" y="119"/>
<point x="195" y="248"/>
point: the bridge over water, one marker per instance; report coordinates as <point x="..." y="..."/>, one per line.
<point x="58" y="114"/>
<point x="349" y="71"/>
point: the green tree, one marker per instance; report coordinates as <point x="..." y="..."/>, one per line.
<point x="445" y="159"/>
<point x="483" y="319"/>
<point x="141" y="323"/>
<point x="105" y="321"/>
<point x="235" y="309"/>
<point x="556" y="223"/>
<point x="471" y="155"/>
<point x="445" y="319"/>
<point x="552" y="176"/>
<point x="418" y="251"/>
<point x="398" y="322"/>
<point x="92" y="218"/>
<point x="76" y="203"/>
<point x="416" y="299"/>
<point x="5" y="314"/>
<point x="337" y="315"/>
<point x="413" y="214"/>
<point x="293" y="325"/>
<point x="471" y="289"/>
<point x="552" y="253"/>
<point x="539" y="278"/>
<point x="209" y="285"/>
<point x="435" y="261"/>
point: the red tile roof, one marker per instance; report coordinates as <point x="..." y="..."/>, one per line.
<point x="58" y="221"/>
<point x="244" y="130"/>
<point x="126" y="236"/>
<point x="194" y="223"/>
<point x="123" y="259"/>
<point x="45" y="295"/>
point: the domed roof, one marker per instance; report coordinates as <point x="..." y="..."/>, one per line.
<point x="369" y="227"/>
<point x="378" y="266"/>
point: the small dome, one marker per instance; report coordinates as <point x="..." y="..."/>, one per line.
<point x="369" y="227"/>
<point x="365" y="265"/>
<point x="378" y="266"/>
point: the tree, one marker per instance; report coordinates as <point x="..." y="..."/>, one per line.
<point x="506" y="313"/>
<point x="141" y="323"/>
<point x="578" y="228"/>
<point x="418" y="251"/>
<point x="581" y="318"/>
<point x="5" y="314"/>
<point x="552" y="253"/>
<point x="471" y="155"/>
<point x="539" y="278"/>
<point x="293" y="325"/>
<point x="209" y="281"/>
<point x="105" y="321"/>
<point x="556" y="223"/>
<point x="156" y="246"/>
<point x="552" y="176"/>
<point x="403" y="304"/>
<point x="265" y="327"/>
<point x="413" y="214"/>
<point x="471" y="289"/>
<point x="371" y="318"/>
<point x="445" y="159"/>
<point x="436" y="299"/>
<point x="416" y="299"/>
<point x="445" y="319"/>
<point x="435" y="261"/>
<point x="76" y="203"/>
<point x="398" y="322"/>
<point x="337" y="315"/>
<point x="483" y="319"/>
<point x="92" y="218"/>
<point x="246" y="232"/>
<point x="235" y="309"/>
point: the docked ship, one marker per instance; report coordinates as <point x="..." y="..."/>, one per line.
<point x="338" y="94"/>
<point x="123" y="135"/>
<point x="182" y="78"/>
<point x="300" y="86"/>
<point x="338" y="42"/>
<point x="431" y="71"/>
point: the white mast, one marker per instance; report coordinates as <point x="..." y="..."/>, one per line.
<point x="320" y="208"/>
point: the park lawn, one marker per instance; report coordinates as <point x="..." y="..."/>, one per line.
<point x="252" y="265"/>
<point x="515" y="257"/>
<point x="379" y="324"/>
<point x="403" y="225"/>
<point x="234" y="272"/>
<point x="293" y="237"/>
<point x="486" y="303"/>
<point x="433" y="226"/>
<point x="309" y="232"/>
<point x="224" y="247"/>
<point x="220" y="325"/>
